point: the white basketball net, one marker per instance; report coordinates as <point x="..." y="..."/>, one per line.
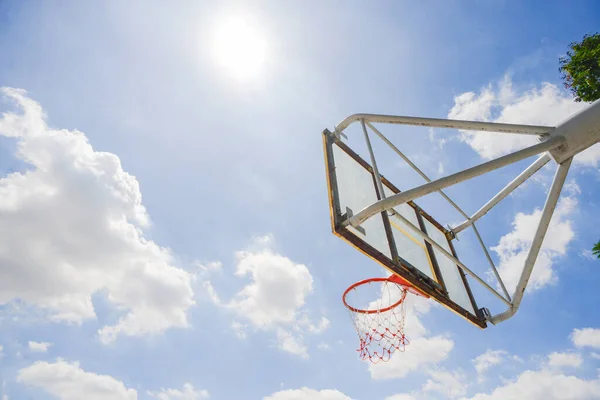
<point x="380" y="325"/>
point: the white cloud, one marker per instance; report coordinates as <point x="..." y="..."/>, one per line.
<point x="439" y="140"/>
<point x="450" y="384"/>
<point x="589" y="157"/>
<point x="401" y="396"/>
<point x="188" y="392"/>
<point x="586" y="337"/>
<point x="239" y="329"/>
<point x="211" y="292"/>
<point x="421" y="352"/>
<point x="83" y="219"/>
<point x="39" y="347"/>
<point x="1" y="349"/>
<point x="210" y="266"/>
<point x="274" y="299"/>
<point x="487" y="360"/>
<point x="322" y="325"/>
<point x="286" y="341"/>
<point x="68" y="381"/>
<point x="595" y="355"/>
<point x="308" y="394"/>
<point x="277" y="291"/>
<point x="517" y="359"/>
<point x="560" y="360"/>
<point x="547" y="105"/>
<point x="513" y="247"/>
<point x="588" y="255"/>
<point x="544" y="385"/>
<point x="323" y="346"/>
<point x="550" y="382"/>
<point x="3" y="390"/>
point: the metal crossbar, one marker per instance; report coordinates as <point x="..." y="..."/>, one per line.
<point x="538" y="239"/>
<point x="446" y="123"/>
<point x="450" y="180"/>
<point x="508" y="189"/>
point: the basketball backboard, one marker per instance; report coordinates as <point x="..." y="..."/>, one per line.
<point x="387" y="239"/>
<point x="372" y="214"/>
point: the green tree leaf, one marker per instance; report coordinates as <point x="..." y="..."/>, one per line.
<point x="580" y="68"/>
<point x="596" y="249"/>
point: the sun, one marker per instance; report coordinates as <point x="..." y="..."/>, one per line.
<point x="239" y="47"/>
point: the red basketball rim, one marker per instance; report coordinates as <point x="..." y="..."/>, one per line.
<point x="379" y="310"/>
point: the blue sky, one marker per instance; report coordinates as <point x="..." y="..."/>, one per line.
<point x="165" y="220"/>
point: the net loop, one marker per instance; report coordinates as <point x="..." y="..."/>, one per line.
<point x="380" y="323"/>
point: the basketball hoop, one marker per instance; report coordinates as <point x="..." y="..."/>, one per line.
<point x="380" y="325"/>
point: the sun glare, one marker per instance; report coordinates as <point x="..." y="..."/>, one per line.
<point x="239" y="48"/>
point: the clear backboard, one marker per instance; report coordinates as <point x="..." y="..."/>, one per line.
<point x="388" y="239"/>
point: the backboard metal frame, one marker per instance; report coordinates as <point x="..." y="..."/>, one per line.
<point x="559" y="144"/>
<point x="397" y="265"/>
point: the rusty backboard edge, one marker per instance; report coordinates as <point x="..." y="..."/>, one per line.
<point x="416" y="278"/>
<point x="334" y="210"/>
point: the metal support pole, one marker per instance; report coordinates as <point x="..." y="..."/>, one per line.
<point x="489" y="258"/>
<point x="403" y="197"/>
<point x="538" y="239"/>
<point x="425" y="237"/>
<point x="446" y="123"/>
<point x="373" y="162"/>
<point x="508" y="189"/>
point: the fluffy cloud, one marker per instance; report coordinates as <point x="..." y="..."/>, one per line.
<point x="323" y="346"/>
<point x="547" y="105"/>
<point x="308" y="394"/>
<point x="513" y="247"/>
<point x="274" y="298"/>
<point x="277" y="290"/>
<point x="450" y="384"/>
<point x="67" y="381"/>
<point x="589" y="157"/>
<point x="544" y="385"/>
<point x="210" y="266"/>
<point x="487" y="360"/>
<point x="588" y="255"/>
<point x="287" y="341"/>
<point x="586" y="337"/>
<point x="39" y="347"/>
<point x="560" y="360"/>
<point x="72" y="225"/>
<point x="239" y="329"/>
<point x="423" y="350"/>
<point x="320" y="327"/>
<point x="401" y="396"/>
<point x="186" y="393"/>
<point x="550" y="382"/>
